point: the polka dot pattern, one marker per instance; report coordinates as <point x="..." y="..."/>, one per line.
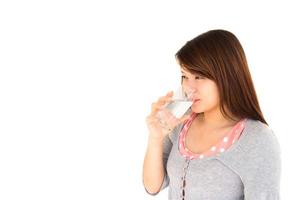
<point x="229" y="139"/>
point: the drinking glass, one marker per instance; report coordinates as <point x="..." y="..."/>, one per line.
<point x="182" y="100"/>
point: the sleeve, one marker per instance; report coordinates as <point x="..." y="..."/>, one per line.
<point x="263" y="170"/>
<point x="167" y="146"/>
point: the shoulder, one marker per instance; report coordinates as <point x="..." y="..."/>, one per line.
<point x="259" y="138"/>
<point x="259" y="151"/>
<point x="259" y="163"/>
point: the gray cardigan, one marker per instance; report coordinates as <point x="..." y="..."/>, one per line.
<point x="250" y="169"/>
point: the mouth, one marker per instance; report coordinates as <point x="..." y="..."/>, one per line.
<point x="196" y="100"/>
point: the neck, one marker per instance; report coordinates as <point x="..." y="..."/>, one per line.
<point x="215" y="120"/>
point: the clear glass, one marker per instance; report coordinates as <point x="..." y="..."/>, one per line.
<point x="181" y="101"/>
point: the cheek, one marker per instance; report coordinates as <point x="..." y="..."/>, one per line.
<point x="208" y="102"/>
<point x="210" y="96"/>
<point x="213" y="96"/>
<point x="210" y="92"/>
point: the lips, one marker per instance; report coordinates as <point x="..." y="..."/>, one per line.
<point x="196" y="100"/>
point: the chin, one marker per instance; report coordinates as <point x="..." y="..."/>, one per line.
<point x="197" y="110"/>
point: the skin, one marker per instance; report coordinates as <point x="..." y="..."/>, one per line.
<point x="206" y="129"/>
<point x="209" y="102"/>
<point x="210" y="125"/>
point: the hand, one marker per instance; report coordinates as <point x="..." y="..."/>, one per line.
<point x="161" y="121"/>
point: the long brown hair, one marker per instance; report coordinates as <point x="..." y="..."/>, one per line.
<point x="219" y="56"/>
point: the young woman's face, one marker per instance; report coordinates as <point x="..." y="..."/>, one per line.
<point x="206" y="92"/>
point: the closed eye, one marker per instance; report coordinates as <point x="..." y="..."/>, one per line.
<point x="197" y="77"/>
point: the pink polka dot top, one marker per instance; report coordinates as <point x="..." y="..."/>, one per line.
<point x="229" y="139"/>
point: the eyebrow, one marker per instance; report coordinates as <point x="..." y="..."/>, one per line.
<point x="193" y="74"/>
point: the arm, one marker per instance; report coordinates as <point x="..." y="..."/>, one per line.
<point x="155" y="177"/>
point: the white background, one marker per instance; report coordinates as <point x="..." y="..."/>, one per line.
<point x="77" y="79"/>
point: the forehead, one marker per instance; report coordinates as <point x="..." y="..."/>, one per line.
<point x="185" y="71"/>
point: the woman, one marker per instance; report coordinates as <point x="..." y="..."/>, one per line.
<point x="223" y="147"/>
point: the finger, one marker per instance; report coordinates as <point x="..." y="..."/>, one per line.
<point x="170" y="93"/>
<point x="167" y="96"/>
<point x="150" y="119"/>
<point x="155" y="108"/>
<point x="161" y="103"/>
<point x="164" y="99"/>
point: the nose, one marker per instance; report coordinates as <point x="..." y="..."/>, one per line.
<point x="190" y="88"/>
<point x="190" y="92"/>
<point x="190" y="84"/>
